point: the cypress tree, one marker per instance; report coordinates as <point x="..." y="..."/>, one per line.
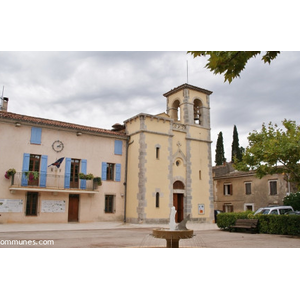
<point x="236" y="151"/>
<point x="220" y="158"/>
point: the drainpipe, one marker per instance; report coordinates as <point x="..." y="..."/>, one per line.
<point x="125" y="183"/>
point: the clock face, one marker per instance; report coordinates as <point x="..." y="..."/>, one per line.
<point x="58" y="146"/>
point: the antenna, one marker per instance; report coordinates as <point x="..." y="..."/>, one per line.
<point x="187" y="72"/>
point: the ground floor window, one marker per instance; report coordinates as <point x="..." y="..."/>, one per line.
<point x="227" y="207"/>
<point x="31" y="204"/>
<point x="109" y="203"/>
<point x="248" y="206"/>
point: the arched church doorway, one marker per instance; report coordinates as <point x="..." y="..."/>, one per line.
<point x="178" y="200"/>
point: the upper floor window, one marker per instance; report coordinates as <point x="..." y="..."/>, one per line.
<point x="273" y="187"/>
<point x="248" y="188"/>
<point x="118" y="147"/>
<point x="111" y="171"/>
<point x="227" y="189"/>
<point x="36" y="135"/>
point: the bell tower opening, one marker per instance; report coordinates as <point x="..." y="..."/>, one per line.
<point x="198" y="112"/>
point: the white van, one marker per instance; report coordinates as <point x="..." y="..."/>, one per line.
<point x="274" y="210"/>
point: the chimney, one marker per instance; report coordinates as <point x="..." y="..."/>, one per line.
<point x="4" y="103"/>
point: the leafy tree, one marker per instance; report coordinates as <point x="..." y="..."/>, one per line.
<point x="220" y="158"/>
<point x="293" y="200"/>
<point x="274" y="150"/>
<point x="232" y="63"/>
<point x="236" y="151"/>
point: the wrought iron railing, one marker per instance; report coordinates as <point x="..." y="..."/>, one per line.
<point x="50" y="181"/>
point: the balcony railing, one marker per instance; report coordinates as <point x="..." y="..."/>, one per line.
<point x="50" y="181"/>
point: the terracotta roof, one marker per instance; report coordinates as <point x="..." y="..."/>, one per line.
<point x="187" y="86"/>
<point x="53" y="123"/>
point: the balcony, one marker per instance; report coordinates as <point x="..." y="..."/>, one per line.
<point x="44" y="182"/>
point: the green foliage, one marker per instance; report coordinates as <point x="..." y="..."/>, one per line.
<point x="268" y="224"/>
<point x="293" y="200"/>
<point x="224" y="220"/>
<point x="86" y="176"/>
<point x="232" y="63"/>
<point x="273" y="150"/>
<point x="220" y="157"/>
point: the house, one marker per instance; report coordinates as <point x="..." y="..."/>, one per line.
<point x="146" y="166"/>
<point x="236" y="191"/>
<point x="40" y="192"/>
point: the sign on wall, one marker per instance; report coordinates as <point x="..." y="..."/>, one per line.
<point x="53" y="206"/>
<point x="11" y="205"/>
<point x="201" y="209"/>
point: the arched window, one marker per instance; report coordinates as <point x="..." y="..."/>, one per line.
<point x="157" y="200"/>
<point x="197" y="112"/>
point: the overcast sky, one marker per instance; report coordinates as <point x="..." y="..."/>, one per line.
<point x="102" y="88"/>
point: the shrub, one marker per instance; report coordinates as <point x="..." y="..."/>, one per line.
<point x="269" y="224"/>
<point x="293" y="200"/>
<point x="225" y="220"/>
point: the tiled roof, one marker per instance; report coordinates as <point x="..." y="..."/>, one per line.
<point x="187" y="86"/>
<point x="53" y="123"/>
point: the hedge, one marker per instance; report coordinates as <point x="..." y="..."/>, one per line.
<point x="270" y="224"/>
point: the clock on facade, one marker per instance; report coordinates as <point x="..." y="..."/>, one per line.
<point x="58" y="146"/>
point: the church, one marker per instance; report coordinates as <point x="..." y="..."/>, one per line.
<point x="61" y="172"/>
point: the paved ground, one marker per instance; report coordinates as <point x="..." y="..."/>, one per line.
<point x="120" y="235"/>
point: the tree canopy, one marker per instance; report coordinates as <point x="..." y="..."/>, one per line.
<point x="232" y="63"/>
<point x="236" y="150"/>
<point x="274" y="150"/>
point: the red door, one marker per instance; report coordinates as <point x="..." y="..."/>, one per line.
<point x="178" y="203"/>
<point x="73" y="208"/>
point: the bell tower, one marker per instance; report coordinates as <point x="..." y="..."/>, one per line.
<point x="188" y="104"/>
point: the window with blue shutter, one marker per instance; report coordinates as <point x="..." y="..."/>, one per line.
<point x="36" y="135"/>
<point x="104" y="170"/>
<point x="25" y="168"/>
<point x="83" y="170"/>
<point x="118" y="172"/>
<point x="67" y="173"/>
<point x="118" y="147"/>
<point x="43" y="171"/>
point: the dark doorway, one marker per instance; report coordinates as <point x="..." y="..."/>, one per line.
<point x="178" y="203"/>
<point x="73" y="208"/>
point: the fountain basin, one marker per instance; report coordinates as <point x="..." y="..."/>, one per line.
<point x="172" y="237"/>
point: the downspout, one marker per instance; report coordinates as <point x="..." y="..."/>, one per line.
<point x="125" y="182"/>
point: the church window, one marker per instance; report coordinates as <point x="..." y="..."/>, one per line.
<point x="157" y="200"/>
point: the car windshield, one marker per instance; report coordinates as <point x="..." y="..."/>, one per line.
<point x="265" y="211"/>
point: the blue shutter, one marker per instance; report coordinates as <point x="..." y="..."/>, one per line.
<point x="118" y="172"/>
<point x="43" y="171"/>
<point x="67" y="173"/>
<point x="118" y="147"/>
<point x="36" y="135"/>
<point x="25" y="168"/>
<point x="104" y="170"/>
<point x="83" y="170"/>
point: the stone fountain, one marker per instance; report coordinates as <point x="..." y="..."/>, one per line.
<point x="175" y="233"/>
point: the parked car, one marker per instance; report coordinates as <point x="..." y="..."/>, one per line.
<point x="296" y="212"/>
<point x="274" y="210"/>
